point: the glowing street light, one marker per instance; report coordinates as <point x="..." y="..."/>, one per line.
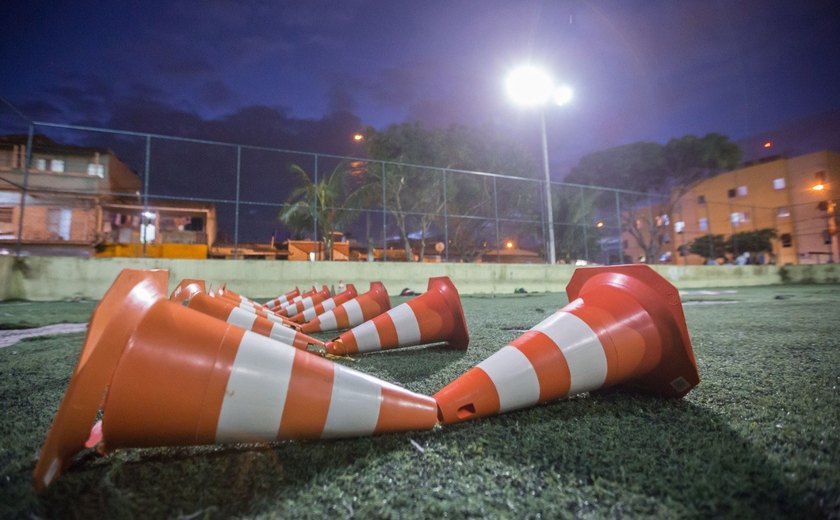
<point x="531" y="86"/>
<point x="358" y="137"/>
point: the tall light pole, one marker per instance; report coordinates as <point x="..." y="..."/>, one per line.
<point x="531" y="86"/>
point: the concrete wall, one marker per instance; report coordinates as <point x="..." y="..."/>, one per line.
<point x="56" y="278"/>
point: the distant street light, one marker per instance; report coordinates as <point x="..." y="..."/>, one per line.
<point x="532" y="86"/>
<point x="358" y="137"/>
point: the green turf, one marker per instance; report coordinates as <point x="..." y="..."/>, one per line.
<point x="758" y="438"/>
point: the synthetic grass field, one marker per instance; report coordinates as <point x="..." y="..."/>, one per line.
<point x="759" y="438"/>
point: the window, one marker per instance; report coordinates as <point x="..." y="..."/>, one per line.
<point x="664" y="238"/>
<point x="732" y="193"/>
<point x="96" y="170"/>
<point x="58" y="222"/>
<point x="742" y="191"/>
<point x="826" y="235"/>
<point x="787" y="239"/>
<point x="679" y="226"/>
<point x="56" y="166"/>
<point x="703" y="223"/>
<point x="40" y="164"/>
<point x="663" y="220"/>
<point x="782" y="212"/>
<point x="779" y="184"/>
<point x="701" y="199"/>
<point x="7" y="215"/>
<point x="739" y="217"/>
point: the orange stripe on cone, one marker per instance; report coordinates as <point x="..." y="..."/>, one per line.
<point x="326" y="305"/>
<point x="174" y="376"/>
<point x="351" y="313"/>
<point x="232" y="314"/>
<point x="624" y="326"/>
<point x="434" y="316"/>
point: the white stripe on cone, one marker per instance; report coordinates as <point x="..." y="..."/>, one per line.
<point x="580" y="346"/>
<point x="408" y="330"/>
<point x="256" y="391"/>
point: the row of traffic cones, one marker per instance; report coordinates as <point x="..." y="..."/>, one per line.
<point x="201" y="367"/>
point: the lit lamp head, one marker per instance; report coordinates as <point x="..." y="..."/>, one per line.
<point x="531" y="86"/>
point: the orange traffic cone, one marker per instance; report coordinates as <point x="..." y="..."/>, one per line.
<point x="624" y="325"/>
<point x="222" y="310"/>
<point x="283" y="299"/>
<point x="434" y="316"/>
<point x="170" y="375"/>
<point x="186" y="289"/>
<point x="296" y="299"/>
<point x="326" y="305"/>
<point x="306" y="303"/>
<point x="351" y="313"/>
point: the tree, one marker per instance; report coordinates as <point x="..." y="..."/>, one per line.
<point x="414" y="196"/>
<point x="319" y="205"/>
<point x="576" y="238"/>
<point x="750" y="241"/>
<point x="662" y="172"/>
<point x="710" y="247"/>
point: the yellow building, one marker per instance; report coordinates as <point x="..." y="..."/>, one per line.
<point x="795" y="196"/>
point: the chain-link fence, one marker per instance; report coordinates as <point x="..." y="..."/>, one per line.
<point x="69" y="189"/>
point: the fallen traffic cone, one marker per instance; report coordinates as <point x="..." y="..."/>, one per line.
<point x="240" y="317"/>
<point x="326" y="305"/>
<point x="163" y="374"/>
<point x="434" y="316"/>
<point x="306" y="303"/>
<point x="296" y="299"/>
<point x="624" y="325"/>
<point x="351" y="313"/>
<point x="283" y="299"/>
<point x="186" y="289"/>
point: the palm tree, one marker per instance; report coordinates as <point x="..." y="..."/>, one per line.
<point x="319" y="205"/>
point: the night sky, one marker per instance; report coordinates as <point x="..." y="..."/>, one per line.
<point x="306" y="72"/>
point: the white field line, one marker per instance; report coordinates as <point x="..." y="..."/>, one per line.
<point x="10" y="337"/>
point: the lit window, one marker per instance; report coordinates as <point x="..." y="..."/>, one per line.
<point x="96" y="170"/>
<point x="739" y="217"/>
<point x="783" y="212"/>
<point x="779" y="184"/>
<point x="742" y="191"/>
<point x="56" y="166"/>
<point x="40" y="164"/>
<point x="703" y="223"/>
<point x="679" y="226"/>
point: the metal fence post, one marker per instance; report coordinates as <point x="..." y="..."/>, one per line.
<point x="315" y="209"/>
<point x="144" y="221"/>
<point x="384" y="222"/>
<point x="236" y="210"/>
<point x="445" y="220"/>
<point x="496" y="219"/>
<point x="585" y="225"/>
<point x="618" y="222"/>
<point x="27" y="163"/>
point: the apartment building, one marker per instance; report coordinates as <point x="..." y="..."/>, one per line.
<point x="796" y="196"/>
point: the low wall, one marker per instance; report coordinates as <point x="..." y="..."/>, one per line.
<point x="57" y="278"/>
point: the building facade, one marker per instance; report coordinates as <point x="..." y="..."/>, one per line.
<point x="797" y="197"/>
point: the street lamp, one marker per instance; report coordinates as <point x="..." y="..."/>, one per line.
<point x="533" y="87"/>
